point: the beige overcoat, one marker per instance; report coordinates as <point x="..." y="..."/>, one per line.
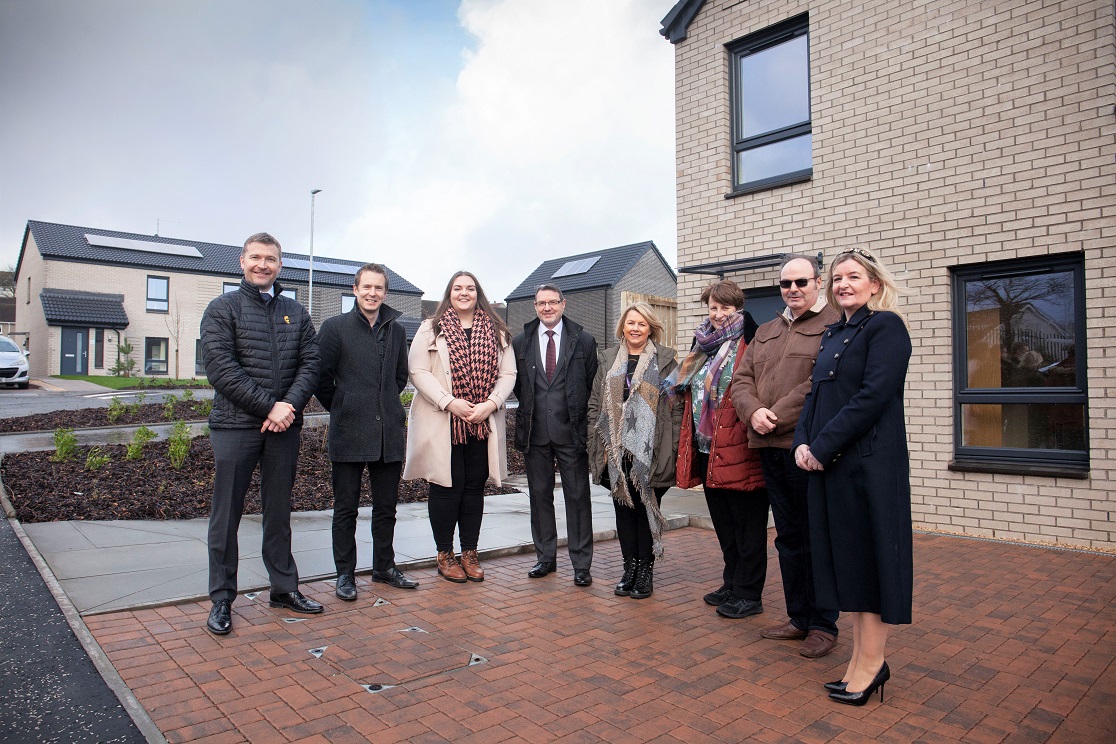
<point x="428" y="424"/>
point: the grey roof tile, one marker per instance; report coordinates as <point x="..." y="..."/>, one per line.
<point x="68" y="243"/>
<point x="91" y="309"/>
<point x="612" y="266"/>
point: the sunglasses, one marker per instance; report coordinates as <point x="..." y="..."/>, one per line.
<point x="860" y="252"/>
<point x="800" y="283"/>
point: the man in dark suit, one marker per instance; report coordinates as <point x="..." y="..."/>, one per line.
<point x="261" y="356"/>
<point x="556" y="361"/>
<point x="364" y="369"/>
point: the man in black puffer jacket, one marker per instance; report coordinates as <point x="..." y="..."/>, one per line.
<point x="261" y="356"/>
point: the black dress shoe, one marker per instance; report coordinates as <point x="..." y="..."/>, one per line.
<point x="542" y="568"/>
<point x="346" y="587"/>
<point x="582" y="578"/>
<point x="394" y="577"/>
<point x="295" y="601"/>
<point x="220" y="618"/>
<point x="860" y="698"/>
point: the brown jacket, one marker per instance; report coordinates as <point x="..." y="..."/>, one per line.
<point x="776" y="371"/>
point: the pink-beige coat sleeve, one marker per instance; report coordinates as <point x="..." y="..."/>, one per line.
<point x="428" y="424"/>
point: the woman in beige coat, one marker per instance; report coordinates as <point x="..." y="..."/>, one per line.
<point x="463" y="370"/>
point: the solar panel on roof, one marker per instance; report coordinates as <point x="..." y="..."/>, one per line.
<point x="572" y="268"/>
<point x="326" y="266"/>
<point x="147" y="246"/>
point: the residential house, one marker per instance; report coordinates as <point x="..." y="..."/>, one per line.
<point x="596" y="285"/>
<point x="972" y="148"/>
<point x="81" y="292"/>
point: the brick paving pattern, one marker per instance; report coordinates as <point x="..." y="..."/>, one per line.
<point x="1010" y="644"/>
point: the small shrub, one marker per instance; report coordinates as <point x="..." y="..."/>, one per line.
<point x="65" y="445"/>
<point x="187" y="394"/>
<point x="169" y="402"/>
<point x="178" y="444"/>
<point x="142" y="436"/>
<point x="203" y="407"/>
<point x="116" y="409"/>
<point x="406" y="397"/>
<point x="96" y="459"/>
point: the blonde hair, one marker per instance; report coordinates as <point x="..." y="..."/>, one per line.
<point x="648" y="314"/>
<point x="887" y="299"/>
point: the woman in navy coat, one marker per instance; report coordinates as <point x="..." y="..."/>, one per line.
<point x="852" y="439"/>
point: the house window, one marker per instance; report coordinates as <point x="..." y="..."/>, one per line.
<point x="199" y="363"/>
<point x="770" y="84"/>
<point x="99" y="348"/>
<point x="155" y="356"/>
<point x="158" y="294"/>
<point x="348" y="301"/>
<point x="229" y="287"/>
<point x="1019" y="366"/>
<point x="291" y="293"/>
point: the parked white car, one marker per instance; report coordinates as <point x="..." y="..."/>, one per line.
<point x="13" y="364"/>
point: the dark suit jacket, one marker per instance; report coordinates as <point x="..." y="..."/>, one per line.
<point x="576" y="367"/>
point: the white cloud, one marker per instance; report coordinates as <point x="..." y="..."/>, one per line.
<point x="558" y="139"/>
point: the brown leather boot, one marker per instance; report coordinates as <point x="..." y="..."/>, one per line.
<point x="470" y="563"/>
<point x="449" y="568"/>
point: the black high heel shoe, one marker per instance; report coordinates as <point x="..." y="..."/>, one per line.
<point x="838" y="686"/>
<point x="860" y="698"/>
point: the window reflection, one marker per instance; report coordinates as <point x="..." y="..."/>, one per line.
<point x="1021" y="331"/>
<point x="775" y="159"/>
<point x="1024" y="425"/>
<point x="774" y="88"/>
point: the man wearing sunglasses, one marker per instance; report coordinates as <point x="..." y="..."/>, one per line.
<point x="768" y="390"/>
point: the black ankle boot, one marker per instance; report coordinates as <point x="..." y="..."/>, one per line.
<point x="624" y="586"/>
<point x="644" y="580"/>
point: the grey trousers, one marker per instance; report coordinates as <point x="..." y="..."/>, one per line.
<point x="236" y="452"/>
<point x="573" y="465"/>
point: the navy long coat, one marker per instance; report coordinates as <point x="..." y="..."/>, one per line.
<point x="860" y="504"/>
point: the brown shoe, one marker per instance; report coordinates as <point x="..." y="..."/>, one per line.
<point x="449" y="568"/>
<point x="470" y="564"/>
<point x="817" y="644"/>
<point x="788" y="631"/>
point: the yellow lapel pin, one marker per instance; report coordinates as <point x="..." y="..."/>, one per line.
<point x="287" y="319"/>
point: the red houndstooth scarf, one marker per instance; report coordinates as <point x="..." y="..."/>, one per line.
<point x="474" y="367"/>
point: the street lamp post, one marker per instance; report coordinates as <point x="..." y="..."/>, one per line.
<point x="310" y="305"/>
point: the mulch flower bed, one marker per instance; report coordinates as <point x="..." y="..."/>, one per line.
<point x="149" y="488"/>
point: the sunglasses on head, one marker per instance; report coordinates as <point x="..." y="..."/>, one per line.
<point x="800" y="283"/>
<point x="860" y="252"/>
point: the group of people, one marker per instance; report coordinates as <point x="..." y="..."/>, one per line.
<point x="803" y="414"/>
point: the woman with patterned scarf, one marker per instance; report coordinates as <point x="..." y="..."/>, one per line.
<point x="633" y="440"/>
<point x="463" y="370"/>
<point x="713" y="451"/>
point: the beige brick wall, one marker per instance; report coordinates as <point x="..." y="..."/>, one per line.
<point x="945" y="134"/>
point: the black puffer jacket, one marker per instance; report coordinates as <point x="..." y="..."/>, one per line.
<point x="364" y="369"/>
<point x="578" y="356"/>
<point x="256" y="355"/>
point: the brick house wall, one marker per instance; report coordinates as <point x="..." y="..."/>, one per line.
<point x="945" y="134"/>
<point x="648" y="276"/>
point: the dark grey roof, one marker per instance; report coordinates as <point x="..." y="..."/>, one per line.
<point x="410" y="325"/>
<point x="677" y="21"/>
<point x="90" y="309"/>
<point x="68" y="243"/>
<point x="614" y="263"/>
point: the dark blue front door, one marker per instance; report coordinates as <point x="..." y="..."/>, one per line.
<point x="75" y="351"/>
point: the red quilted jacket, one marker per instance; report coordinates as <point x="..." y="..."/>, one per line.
<point x="732" y="464"/>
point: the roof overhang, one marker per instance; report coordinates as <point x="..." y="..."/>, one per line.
<point x="737" y="265"/>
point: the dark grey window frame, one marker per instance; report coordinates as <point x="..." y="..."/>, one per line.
<point x="199" y="362"/>
<point x="147" y="358"/>
<point x="758" y="42"/>
<point x="1023" y="461"/>
<point x="98" y="348"/>
<point x="150" y="299"/>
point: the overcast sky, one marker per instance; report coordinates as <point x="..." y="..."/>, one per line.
<point x="487" y="135"/>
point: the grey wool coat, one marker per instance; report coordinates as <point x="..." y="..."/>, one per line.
<point x="363" y="371"/>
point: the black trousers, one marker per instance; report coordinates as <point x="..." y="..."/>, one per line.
<point x="573" y="464"/>
<point x="236" y="452"/>
<point x="383" y="477"/>
<point x="460" y="506"/>
<point x="786" y="489"/>
<point x="632" y="528"/>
